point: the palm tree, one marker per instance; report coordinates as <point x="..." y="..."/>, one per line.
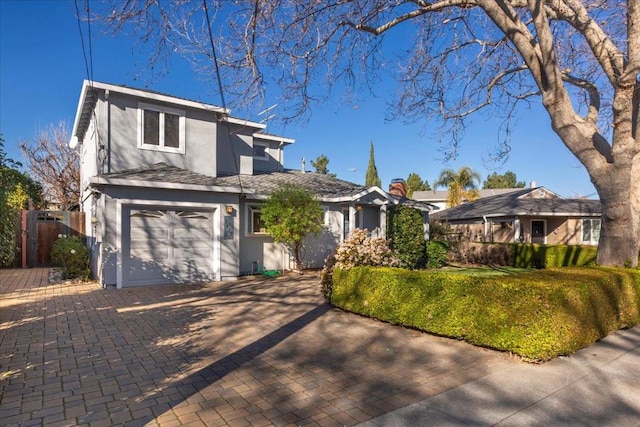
<point x="462" y="185"/>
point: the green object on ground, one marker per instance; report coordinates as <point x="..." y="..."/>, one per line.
<point x="271" y="273"/>
<point x="539" y="315"/>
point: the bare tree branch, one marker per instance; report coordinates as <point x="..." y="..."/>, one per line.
<point x="450" y="58"/>
<point x="54" y="165"/>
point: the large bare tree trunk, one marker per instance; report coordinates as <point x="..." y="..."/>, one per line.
<point x="614" y="170"/>
<point x="618" y="183"/>
<point x="620" y="233"/>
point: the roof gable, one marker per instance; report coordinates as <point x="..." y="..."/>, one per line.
<point x="90" y="94"/>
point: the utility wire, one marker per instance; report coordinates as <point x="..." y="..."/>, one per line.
<point x="220" y="88"/>
<point x="90" y="43"/>
<point x="84" y="50"/>
<point x="215" y="58"/>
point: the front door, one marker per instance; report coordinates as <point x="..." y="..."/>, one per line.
<point x="538" y="231"/>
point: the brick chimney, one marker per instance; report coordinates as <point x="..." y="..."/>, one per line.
<point x="398" y="188"/>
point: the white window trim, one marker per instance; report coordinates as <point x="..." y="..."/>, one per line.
<point x="160" y="109"/>
<point x="592" y="241"/>
<point x="249" y="216"/>
<point x="266" y="151"/>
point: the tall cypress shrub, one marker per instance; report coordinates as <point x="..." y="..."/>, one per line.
<point x="406" y="230"/>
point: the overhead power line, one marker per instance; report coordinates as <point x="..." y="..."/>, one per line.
<point x="84" y="49"/>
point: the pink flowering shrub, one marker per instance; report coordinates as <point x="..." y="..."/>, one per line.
<point x="356" y="250"/>
<point x="360" y="250"/>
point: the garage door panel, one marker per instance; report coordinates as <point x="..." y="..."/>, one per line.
<point x="186" y="243"/>
<point x="193" y="252"/>
<point x="144" y="233"/>
<point x="192" y="234"/>
<point x="170" y="246"/>
<point x="150" y="253"/>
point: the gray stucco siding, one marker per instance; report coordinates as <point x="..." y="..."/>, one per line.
<point x="234" y="144"/>
<point x="273" y="161"/>
<point x="261" y="249"/>
<point x="121" y="127"/>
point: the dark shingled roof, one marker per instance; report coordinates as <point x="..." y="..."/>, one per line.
<point x="431" y="195"/>
<point x="262" y="183"/>
<point x="511" y="204"/>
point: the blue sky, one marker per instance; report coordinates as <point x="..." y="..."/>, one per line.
<point x="42" y="69"/>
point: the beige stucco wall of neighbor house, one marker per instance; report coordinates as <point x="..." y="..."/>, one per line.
<point x="559" y="231"/>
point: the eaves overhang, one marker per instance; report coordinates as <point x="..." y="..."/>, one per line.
<point x="101" y="180"/>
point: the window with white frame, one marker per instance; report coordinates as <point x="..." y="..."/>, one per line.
<point x="255" y="223"/>
<point x="591" y="230"/>
<point x="161" y="128"/>
<point x="260" y="151"/>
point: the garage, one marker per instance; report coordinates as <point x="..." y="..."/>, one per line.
<point x="167" y="246"/>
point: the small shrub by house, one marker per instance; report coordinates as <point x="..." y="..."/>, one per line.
<point x="72" y="256"/>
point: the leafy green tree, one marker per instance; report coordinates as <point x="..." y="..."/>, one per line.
<point x="415" y="183"/>
<point x="462" y="185"/>
<point x="16" y="189"/>
<point x="506" y="180"/>
<point x="321" y="165"/>
<point x="372" y="177"/>
<point x="290" y="215"/>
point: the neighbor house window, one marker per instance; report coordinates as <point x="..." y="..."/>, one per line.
<point x="260" y="151"/>
<point x="161" y="128"/>
<point x="590" y="231"/>
<point x="256" y="225"/>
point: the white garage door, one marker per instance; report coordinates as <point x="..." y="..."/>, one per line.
<point x="169" y="246"/>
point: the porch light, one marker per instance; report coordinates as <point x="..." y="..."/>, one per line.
<point x="229" y="209"/>
<point x="358" y="207"/>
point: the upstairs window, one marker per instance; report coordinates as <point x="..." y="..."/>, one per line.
<point x="260" y="151"/>
<point x="161" y="128"/>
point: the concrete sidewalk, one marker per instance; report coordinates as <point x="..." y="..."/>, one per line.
<point x="598" y="386"/>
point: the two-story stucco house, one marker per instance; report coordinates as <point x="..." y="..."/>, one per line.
<point x="172" y="190"/>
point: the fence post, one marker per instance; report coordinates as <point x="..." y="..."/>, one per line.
<point x="23" y="235"/>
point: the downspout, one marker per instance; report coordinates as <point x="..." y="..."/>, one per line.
<point x="106" y="97"/>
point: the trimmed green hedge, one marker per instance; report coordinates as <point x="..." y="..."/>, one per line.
<point x="525" y="255"/>
<point x="538" y="315"/>
<point x="550" y="256"/>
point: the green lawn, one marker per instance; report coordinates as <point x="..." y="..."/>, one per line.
<point x="484" y="271"/>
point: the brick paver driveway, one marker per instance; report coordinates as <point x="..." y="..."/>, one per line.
<point x="251" y="352"/>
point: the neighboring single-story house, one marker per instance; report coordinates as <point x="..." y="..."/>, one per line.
<point x="172" y="190"/>
<point x="531" y="215"/>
